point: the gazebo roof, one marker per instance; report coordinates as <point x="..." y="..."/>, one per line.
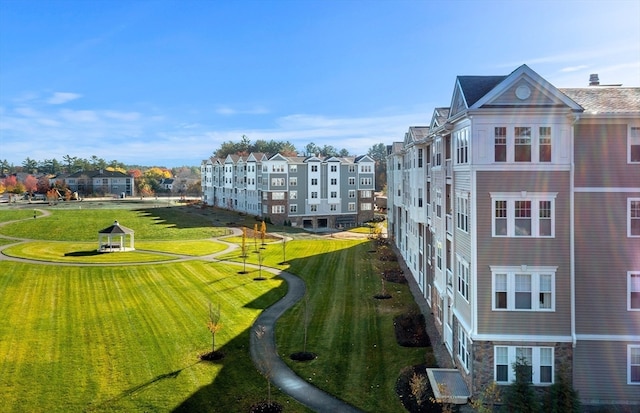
<point x="116" y="228"/>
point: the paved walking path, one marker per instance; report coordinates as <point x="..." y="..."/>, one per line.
<point x="263" y="350"/>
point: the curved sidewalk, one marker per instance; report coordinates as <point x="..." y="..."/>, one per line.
<point x="265" y="356"/>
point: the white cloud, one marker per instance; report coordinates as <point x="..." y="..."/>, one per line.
<point x="229" y="111"/>
<point x="573" y="68"/>
<point x="59" y="98"/>
<point x="79" y="115"/>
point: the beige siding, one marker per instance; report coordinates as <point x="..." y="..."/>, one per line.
<point x="600" y="148"/>
<point x="600" y="372"/>
<point x="532" y="252"/>
<point x="604" y="254"/>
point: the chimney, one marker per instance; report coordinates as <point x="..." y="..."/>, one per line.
<point x="594" y="80"/>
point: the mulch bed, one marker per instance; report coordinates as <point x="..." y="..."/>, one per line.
<point x="408" y="400"/>
<point x="394" y="275"/>
<point x="303" y="356"/>
<point x="411" y="330"/>
<point x="266" y="407"/>
<point x="212" y="356"/>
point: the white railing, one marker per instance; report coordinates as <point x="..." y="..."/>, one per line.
<point x="448" y="336"/>
<point x="449" y="221"/>
<point x="449" y="278"/>
<point x="448" y="168"/>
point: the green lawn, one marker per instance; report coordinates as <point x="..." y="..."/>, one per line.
<point x="84" y="224"/>
<point x="126" y="338"/>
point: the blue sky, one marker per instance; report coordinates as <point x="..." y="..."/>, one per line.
<point x="166" y="82"/>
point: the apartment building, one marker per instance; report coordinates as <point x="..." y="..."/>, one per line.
<point x="305" y="191"/>
<point x="102" y="182"/>
<point x="517" y="210"/>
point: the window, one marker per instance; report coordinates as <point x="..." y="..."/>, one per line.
<point x="538" y="359"/>
<point x="293" y="168"/>
<point x="462" y="146"/>
<point x="293" y="181"/>
<point x="365" y="194"/>
<point x="366" y="181"/>
<point x="277" y="209"/>
<point x="351" y="206"/>
<point x="334" y="168"/>
<point x="633" y="288"/>
<point x="352" y="180"/>
<point x="633" y="364"/>
<point x="439" y="255"/>
<point x="314" y="181"/>
<point x="500" y="145"/>
<point x="438" y="201"/>
<point x="314" y="195"/>
<point x="293" y="194"/>
<point x="544" y="141"/>
<point x="524" y="215"/>
<point x="419" y="197"/>
<point x="352" y="168"/>
<point x="314" y="168"/>
<point x="462" y="213"/>
<point x="419" y="157"/>
<point x="365" y="168"/>
<point x="352" y="193"/>
<point x="277" y="181"/>
<point x="633" y="145"/>
<point x="463" y="277"/>
<point x="334" y="181"/>
<point x="633" y="217"/>
<point x="523" y="289"/>
<point x="463" y="348"/>
<point x="436" y="152"/>
<point x="313" y="208"/>
<point x="523" y="144"/>
<point x="293" y="208"/>
<point x="334" y="194"/>
<point x="333" y="207"/>
<point x="365" y="206"/>
<point x="277" y="195"/>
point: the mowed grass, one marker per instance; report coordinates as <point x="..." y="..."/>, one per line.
<point x="78" y="252"/>
<point x="352" y="333"/>
<point x="128" y="338"/>
<point x="83" y="224"/>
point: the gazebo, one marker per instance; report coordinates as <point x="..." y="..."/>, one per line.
<point x="113" y="238"/>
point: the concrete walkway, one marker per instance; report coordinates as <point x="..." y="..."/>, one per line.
<point x="263" y="349"/>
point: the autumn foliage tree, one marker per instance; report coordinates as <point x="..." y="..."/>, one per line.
<point x="31" y="184"/>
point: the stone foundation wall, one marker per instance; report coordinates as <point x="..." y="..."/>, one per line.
<point x="483" y="361"/>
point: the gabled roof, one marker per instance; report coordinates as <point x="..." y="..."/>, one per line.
<point x="278" y="157"/>
<point x="363" y="158"/>
<point x="538" y="92"/>
<point x="419" y="132"/>
<point x="116" y="228"/>
<point x="475" y="87"/>
<point x="439" y="117"/>
<point x="599" y="100"/>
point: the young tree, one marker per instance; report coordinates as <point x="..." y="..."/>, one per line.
<point x="255" y="237"/>
<point x="519" y="396"/>
<point x="214" y="325"/>
<point x="561" y="397"/>
<point x="263" y="231"/>
<point x="244" y="250"/>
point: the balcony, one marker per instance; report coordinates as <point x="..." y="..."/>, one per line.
<point x="448" y="168"/>
<point x="448" y="336"/>
<point x="428" y="170"/>
<point x="449" y="220"/>
<point x="449" y="279"/>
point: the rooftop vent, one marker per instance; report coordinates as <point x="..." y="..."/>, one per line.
<point x="594" y="80"/>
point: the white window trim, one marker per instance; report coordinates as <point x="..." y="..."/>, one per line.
<point x="629" y="347"/>
<point x="535" y="364"/>
<point x="463" y="273"/>
<point x="629" y="200"/>
<point x="535" y="198"/>
<point x="632" y="140"/>
<point x="463" y="348"/>
<point x="462" y="212"/>
<point x="535" y="273"/>
<point x="629" y="289"/>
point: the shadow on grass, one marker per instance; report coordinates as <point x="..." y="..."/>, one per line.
<point x="88" y="253"/>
